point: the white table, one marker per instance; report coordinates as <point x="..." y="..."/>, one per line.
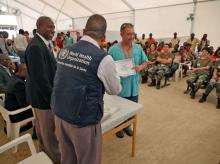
<point x="125" y="116"/>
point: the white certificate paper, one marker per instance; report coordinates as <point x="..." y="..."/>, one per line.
<point x="125" y="67"/>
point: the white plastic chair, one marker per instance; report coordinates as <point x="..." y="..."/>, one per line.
<point x="179" y="71"/>
<point x="13" y="129"/>
<point x="35" y="158"/>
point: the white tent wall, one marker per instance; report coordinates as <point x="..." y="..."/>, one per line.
<point x="114" y="22"/>
<point x="206" y="21"/>
<point x="26" y="23"/>
<point x="163" y="22"/>
<point x="64" y="24"/>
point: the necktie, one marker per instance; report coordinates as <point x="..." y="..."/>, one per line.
<point x="50" y="48"/>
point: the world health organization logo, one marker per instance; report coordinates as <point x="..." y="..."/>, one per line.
<point x="63" y="54"/>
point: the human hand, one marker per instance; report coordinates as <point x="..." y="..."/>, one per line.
<point x="215" y="77"/>
<point x="137" y="68"/>
<point x="194" y="69"/>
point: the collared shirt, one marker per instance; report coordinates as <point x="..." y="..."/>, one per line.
<point x="193" y="43"/>
<point x="44" y="40"/>
<point x="106" y="71"/>
<point x="175" y="41"/>
<point x="48" y="43"/>
<point x="130" y="85"/>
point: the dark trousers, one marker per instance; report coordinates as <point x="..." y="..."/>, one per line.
<point x="131" y="98"/>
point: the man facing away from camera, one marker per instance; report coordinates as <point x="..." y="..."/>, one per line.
<point x="84" y="73"/>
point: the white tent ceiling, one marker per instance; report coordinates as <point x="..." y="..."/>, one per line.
<point x="67" y="9"/>
<point x="146" y="15"/>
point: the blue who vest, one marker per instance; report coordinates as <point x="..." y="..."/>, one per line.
<point x="78" y="92"/>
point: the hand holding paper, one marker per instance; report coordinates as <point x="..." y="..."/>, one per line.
<point x="125" y="67"/>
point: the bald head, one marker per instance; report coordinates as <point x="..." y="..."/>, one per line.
<point x="41" y="20"/>
<point x="96" y="26"/>
<point x="45" y="27"/>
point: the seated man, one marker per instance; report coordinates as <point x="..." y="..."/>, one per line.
<point x="5" y="72"/>
<point x="214" y="82"/>
<point x="200" y="71"/>
<point x="164" y="60"/>
<point x="15" y="95"/>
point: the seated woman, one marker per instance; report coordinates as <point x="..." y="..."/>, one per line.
<point x="151" y="55"/>
<point x="200" y="72"/>
<point x="187" y="58"/>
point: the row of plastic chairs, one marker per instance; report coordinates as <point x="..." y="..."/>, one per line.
<point x="13" y="130"/>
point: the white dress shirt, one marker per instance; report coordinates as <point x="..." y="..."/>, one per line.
<point x="107" y="71"/>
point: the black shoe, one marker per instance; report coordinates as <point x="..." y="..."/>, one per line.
<point x="186" y="91"/>
<point x="203" y="98"/>
<point x="153" y="83"/>
<point x="192" y="95"/>
<point x="218" y="104"/>
<point x="158" y="85"/>
<point x="128" y="131"/>
<point x="144" y="79"/>
<point x="120" y="134"/>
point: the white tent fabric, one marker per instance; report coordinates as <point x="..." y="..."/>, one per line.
<point x="161" y="17"/>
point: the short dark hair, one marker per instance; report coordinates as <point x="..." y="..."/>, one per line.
<point x="21" y="31"/>
<point x="41" y="20"/>
<point x="96" y="26"/>
<point x="126" y="25"/>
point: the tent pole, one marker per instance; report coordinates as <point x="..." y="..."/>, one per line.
<point x="194" y="14"/>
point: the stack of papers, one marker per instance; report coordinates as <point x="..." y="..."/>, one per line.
<point x="125" y="67"/>
<point x="109" y="111"/>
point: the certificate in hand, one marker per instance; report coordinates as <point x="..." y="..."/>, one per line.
<point x="125" y="67"/>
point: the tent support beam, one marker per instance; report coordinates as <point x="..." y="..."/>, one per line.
<point x="60" y="11"/>
<point x="188" y="3"/>
<point x="43" y="1"/>
<point x="84" y="6"/>
<point x="194" y="14"/>
<point x="131" y="8"/>
<point x="128" y="5"/>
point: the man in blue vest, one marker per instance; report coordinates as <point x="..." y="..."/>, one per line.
<point x="84" y="73"/>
